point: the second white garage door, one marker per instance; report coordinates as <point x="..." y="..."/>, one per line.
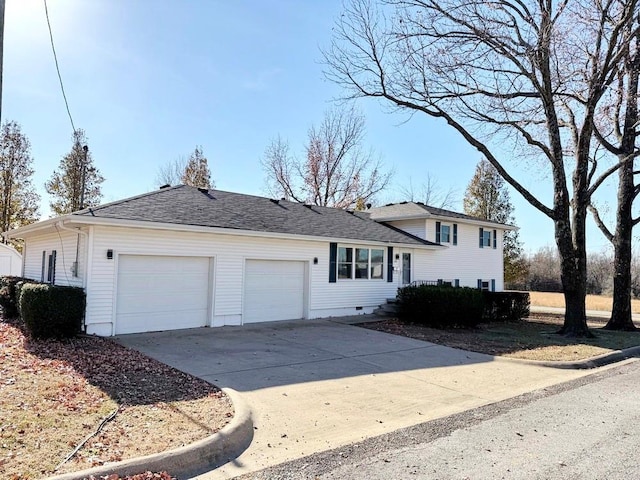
<point x="161" y="293"/>
<point x="273" y="290"/>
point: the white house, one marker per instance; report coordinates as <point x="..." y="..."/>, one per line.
<point x="10" y="261"/>
<point x="183" y="257"/>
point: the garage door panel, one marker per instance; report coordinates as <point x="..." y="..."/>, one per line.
<point x="274" y="290"/>
<point x="161" y="293"/>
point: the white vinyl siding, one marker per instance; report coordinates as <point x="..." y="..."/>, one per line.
<point x="65" y="244"/>
<point x="465" y="262"/>
<point x="416" y="227"/>
<point x="230" y="252"/>
<point x="273" y="290"/>
<point x="161" y="293"/>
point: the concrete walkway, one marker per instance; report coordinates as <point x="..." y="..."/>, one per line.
<point x="321" y="384"/>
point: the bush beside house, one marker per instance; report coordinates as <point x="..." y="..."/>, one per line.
<point x="9" y="294"/>
<point x="51" y="311"/>
<point x="48" y="311"/>
<point x="453" y="307"/>
<point x="440" y="306"/>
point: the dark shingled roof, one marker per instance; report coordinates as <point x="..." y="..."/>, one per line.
<point x="183" y="205"/>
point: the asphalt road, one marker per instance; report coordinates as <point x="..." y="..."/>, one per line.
<point x="585" y="429"/>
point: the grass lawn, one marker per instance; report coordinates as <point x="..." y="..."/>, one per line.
<point x="594" y="302"/>
<point x="532" y="339"/>
<point x="54" y="394"/>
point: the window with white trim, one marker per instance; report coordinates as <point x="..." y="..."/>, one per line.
<point x="360" y="263"/>
<point x="447" y="233"/>
<point x="486" y="238"/>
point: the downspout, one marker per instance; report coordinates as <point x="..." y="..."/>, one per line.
<point x="79" y="232"/>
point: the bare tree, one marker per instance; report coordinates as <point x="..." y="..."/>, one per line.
<point x="616" y="131"/>
<point x="193" y="171"/>
<point x="171" y="172"/>
<point x="522" y="74"/>
<point x="428" y="192"/>
<point x="335" y="172"/>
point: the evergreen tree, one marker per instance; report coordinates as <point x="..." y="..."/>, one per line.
<point x="196" y="172"/>
<point x="66" y="183"/>
<point x="18" y="198"/>
<point x="487" y="197"/>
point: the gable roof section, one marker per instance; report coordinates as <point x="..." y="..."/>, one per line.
<point x="184" y="205"/>
<point x="407" y="210"/>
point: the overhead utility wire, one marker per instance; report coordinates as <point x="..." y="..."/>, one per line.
<point x="55" y="57"/>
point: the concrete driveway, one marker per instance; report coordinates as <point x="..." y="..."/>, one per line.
<point x="320" y="384"/>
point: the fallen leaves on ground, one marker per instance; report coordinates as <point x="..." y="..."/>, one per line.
<point x="53" y="394"/>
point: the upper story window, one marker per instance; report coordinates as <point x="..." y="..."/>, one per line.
<point x="360" y="263"/>
<point x="488" y="238"/>
<point x="447" y="233"/>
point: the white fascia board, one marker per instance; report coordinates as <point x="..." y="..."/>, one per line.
<point x="79" y="220"/>
<point x="428" y="216"/>
<point x="27" y="230"/>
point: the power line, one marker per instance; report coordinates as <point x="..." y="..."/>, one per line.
<point x="55" y="57"/>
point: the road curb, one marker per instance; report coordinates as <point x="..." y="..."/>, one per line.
<point x="206" y="454"/>
<point x="585" y="364"/>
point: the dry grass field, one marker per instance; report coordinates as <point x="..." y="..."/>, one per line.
<point x="594" y="302"/>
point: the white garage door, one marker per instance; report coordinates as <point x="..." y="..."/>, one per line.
<point x="161" y="293"/>
<point x="273" y="290"/>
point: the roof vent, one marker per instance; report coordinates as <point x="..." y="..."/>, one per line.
<point x="274" y="200"/>
<point x="368" y="205"/>
<point x="308" y="206"/>
<point x="166" y="185"/>
<point x="203" y="190"/>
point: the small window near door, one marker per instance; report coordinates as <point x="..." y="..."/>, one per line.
<point x="345" y="262"/>
<point x="406" y="268"/>
<point x="377" y="264"/>
<point x="51" y="272"/>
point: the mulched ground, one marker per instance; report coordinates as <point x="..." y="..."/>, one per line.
<point x="534" y="338"/>
<point x="53" y="394"/>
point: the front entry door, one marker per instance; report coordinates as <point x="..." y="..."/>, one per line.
<point x="406" y="268"/>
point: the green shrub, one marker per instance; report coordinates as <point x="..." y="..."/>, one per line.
<point x="440" y="306"/>
<point x="505" y="306"/>
<point x="50" y="311"/>
<point x="9" y="293"/>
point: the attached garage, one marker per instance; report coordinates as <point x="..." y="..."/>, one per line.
<point x="273" y="290"/>
<point x="162" y="293"/>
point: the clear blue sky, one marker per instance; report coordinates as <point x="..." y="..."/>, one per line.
<point x="149" y="80"/>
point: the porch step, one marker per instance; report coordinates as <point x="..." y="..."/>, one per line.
<point x="386" y="310"/>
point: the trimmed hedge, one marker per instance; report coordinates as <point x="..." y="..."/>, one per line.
<point x="440" y="306"/>
<point x="505" y="306"/>
<point x="9" y="295"/>
<point x="51" y="311"/>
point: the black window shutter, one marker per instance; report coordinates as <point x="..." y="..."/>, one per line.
<point x="437" y="232"/>
<point x="456" y="282"/>
<point x="44" y="262"/>
<point x="493" y="285"/>
<point x="481" y="238"/>
<point x="389" y="264"/>
<point x="333" y="257"/>
<point x="495" y="239"/>
<point x="480" y="283"/>
<point x="455" y="233"/>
